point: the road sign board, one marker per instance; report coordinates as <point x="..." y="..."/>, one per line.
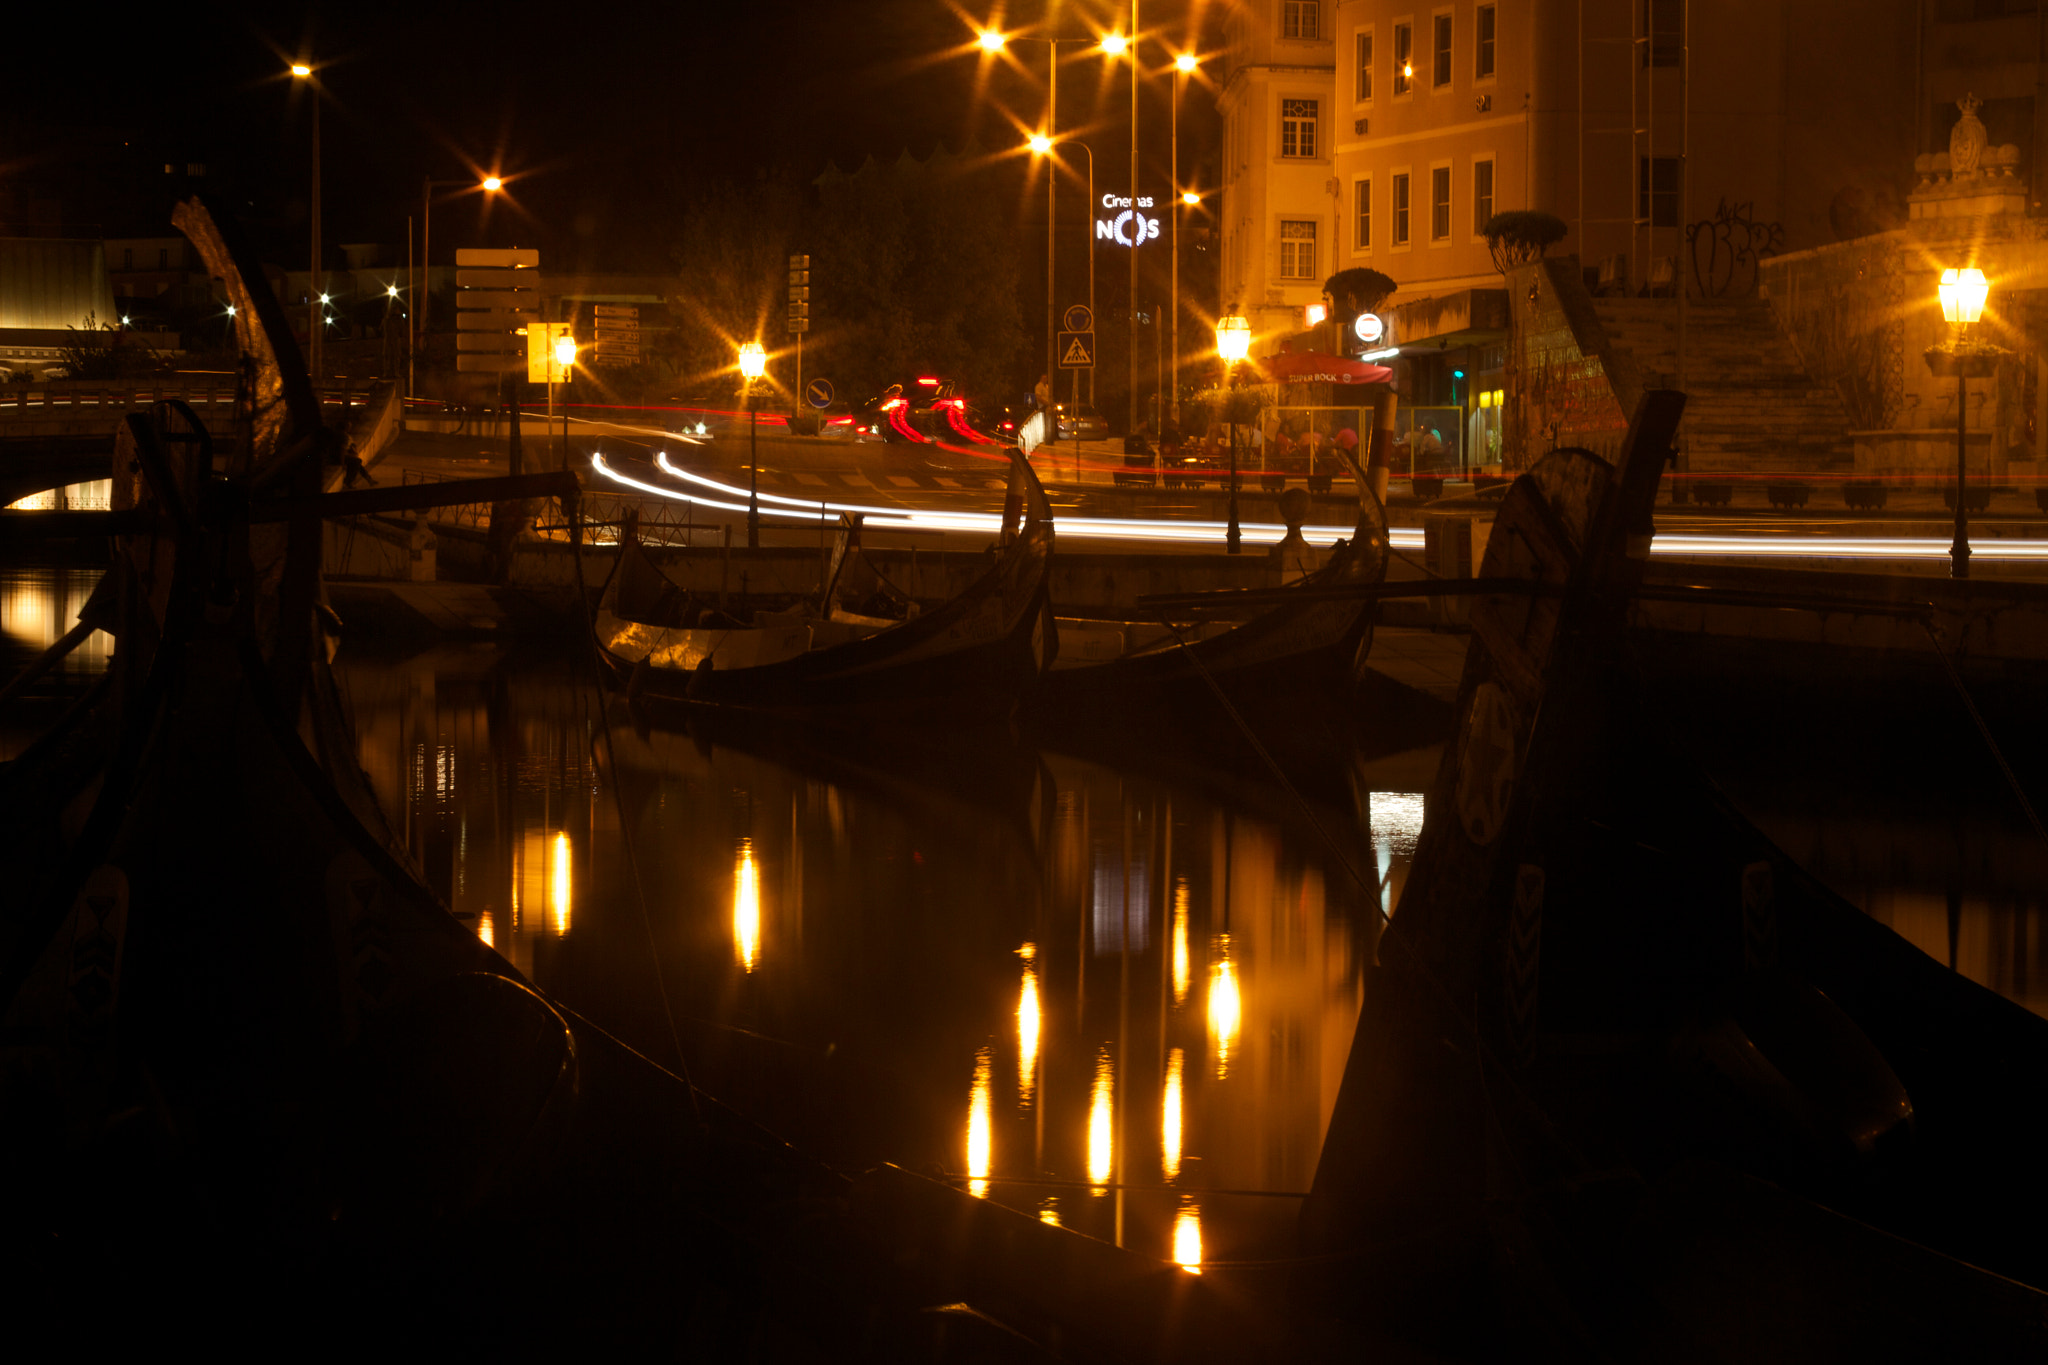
<point x="475" y="278"/>
<point x="616" y="310"/>
<point x="502" y="260"/>
<point x="1080" y="318"/>
<point x="1077" y="350"/>
<point x="800" y="263"/>
<point x="799" y="325"/>
<point x="510" y="343"/>
<point x="818" y="393"/>
<point x="489" y="364"/>
<point x="467" y="321"/>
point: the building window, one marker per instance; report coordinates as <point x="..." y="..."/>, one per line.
<point x="1482" y="196"/>
<point x="1440" y="69"/>
<point x="1664" y="32"/>
<point x="1440" y="203"/>
<point x="1404" y="58"/>
<point x="1298" y="127"/>
<point x="1297" y="249"/>
<point x="1401" y="210"/>
<point x="1482" y="64"/>
<point x="1301" y="19"/>
<point x="1365" y="66"/>
<point x="1362" y="197"/>
<point x="1657" y="191"/>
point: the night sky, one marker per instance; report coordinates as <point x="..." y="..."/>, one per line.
<point x="603" y="118"/>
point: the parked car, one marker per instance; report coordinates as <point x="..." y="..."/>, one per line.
<point x="1081" y="424"/>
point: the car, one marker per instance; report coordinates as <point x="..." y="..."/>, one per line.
<point x="1081" y="423"/>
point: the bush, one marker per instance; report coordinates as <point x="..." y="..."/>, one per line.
<point x="1520" y="236"/>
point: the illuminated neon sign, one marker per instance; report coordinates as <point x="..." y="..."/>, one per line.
<point x="1369" y="328"/>
<point x="1131" y="226"/>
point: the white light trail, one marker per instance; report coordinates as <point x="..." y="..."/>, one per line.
<point x="733" y="499"/>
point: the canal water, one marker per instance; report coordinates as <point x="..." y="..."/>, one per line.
<point x="1115" y="1000"/>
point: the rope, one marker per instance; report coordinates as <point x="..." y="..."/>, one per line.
<point x="1273" y="767"/>
<point x="1997" y="754"/>
<point x="574" y="516"/>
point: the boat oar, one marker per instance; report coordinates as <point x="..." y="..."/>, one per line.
<point x="47" y="660"/>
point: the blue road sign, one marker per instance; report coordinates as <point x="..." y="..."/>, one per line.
<point x="818" y="393"/>
<point x="1080" y="318"/>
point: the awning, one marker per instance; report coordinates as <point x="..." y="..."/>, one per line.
<point x="1312" y="367"/>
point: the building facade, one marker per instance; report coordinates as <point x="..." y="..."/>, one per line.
<point x="1678" y="140"/>
<point x="1280" y="206"/>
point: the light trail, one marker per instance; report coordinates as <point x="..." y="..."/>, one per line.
<point x="1669" y="543"/>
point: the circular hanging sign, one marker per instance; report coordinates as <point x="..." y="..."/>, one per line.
<point x="818" y="393"/>
<point x="1080" y="319"/>
<point x="1369" y="328"/>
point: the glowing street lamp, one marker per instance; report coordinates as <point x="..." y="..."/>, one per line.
<point x="1113" y="44"/>
<point x="1962" y="293"/>
<point x="316" y="321"/>
<point x="423" y="292"/>
<point x="991" y="41"/>
<point x="1040" y="144"/>
<point x="753" y="364"/>
<point x="1186" y="62"/>
<point x="1233" y="344"/>
<point x="1183" y="65"/>
<point x="1190" y="198"/>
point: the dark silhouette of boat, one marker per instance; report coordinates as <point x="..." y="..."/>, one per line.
<point x="966" y="661"/>
<point x="1628" y="1084"/>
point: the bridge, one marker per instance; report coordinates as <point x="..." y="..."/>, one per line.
<point x="62" y="432"/>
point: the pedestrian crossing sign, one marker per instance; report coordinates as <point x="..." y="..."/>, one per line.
<point x="1077" y="350"/>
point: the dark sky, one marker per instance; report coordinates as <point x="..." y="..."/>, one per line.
<point x="603" y="117"/>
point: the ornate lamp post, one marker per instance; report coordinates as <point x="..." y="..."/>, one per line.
<point x="1962" y="292"/>
<point x="753" y="364"/>
<point x="1233" y="344"/>
<point x="565" y="361"/>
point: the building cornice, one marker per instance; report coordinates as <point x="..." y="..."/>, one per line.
<point x="1518" y="117"/>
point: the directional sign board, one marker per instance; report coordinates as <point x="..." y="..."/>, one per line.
<point x="1077" y="350"/>
<point x="497" y="307"/>
<point x="818" y="393"/>
<point x="1080" y="318"/>
<point x="616" y="328"/>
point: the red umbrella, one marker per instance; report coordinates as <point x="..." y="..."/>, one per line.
<point x="1312" y="367"/>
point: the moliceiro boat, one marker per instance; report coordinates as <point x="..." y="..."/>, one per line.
<point x="967" y="660"/>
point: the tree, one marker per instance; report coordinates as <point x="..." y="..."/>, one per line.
<point x="1360" y="289"/>
<point x="1519" y="236"/>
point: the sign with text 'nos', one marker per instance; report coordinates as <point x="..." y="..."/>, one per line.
<point x="497" y="297"/>
<point x="1126" y="225"/>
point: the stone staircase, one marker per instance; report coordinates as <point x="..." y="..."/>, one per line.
<point x="1752" y="405"/>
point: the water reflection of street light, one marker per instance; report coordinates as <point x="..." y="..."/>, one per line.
<point x="1233" y="344"/>
<point x="1962" y="293"/>
<point x="753" y="364"/>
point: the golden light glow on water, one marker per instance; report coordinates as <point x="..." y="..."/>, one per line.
<point x="1169" y="1121"/>
<point x="746" y="906"/>
<point x="1049" y="1212"/>
<point x="1029" y="1023"/>
<point x="558" y="885"/>
<point x="1226" y="1006"/>
<point x="1180" y="942"/>
<point x="980" y="1138"/>
<point x="486" y="931"/>
<point x="1101" y="1142"/>
<point x="1187" y="1238"/>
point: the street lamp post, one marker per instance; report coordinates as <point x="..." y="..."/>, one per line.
<point x="1184" y="64"/>
<point x="564" y="362"/>
<point x="1046" y="147"/>
<point x="1962" y="293"/>
<point x="753" y="364"/>
<point x="422" y="292"/>
<point x="315" y="300"/>
<point x="1233" y="344"/>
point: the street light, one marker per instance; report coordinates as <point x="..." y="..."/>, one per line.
<point x="1113" y="44"/>
<point x="423" y="288"/>
<point x="1043" y="146"/>
<point x="1233" y="344"/>
<point x="753" y="364"/>
<point x="1962" y="293"/>
<point x="565" y="361"/>
<point x="315" y="317"/>
<point x="1183" y="65"/>
<point x="991" y="41"/>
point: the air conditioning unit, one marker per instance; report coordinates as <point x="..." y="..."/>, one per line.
<point x="1361" y="126"/>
